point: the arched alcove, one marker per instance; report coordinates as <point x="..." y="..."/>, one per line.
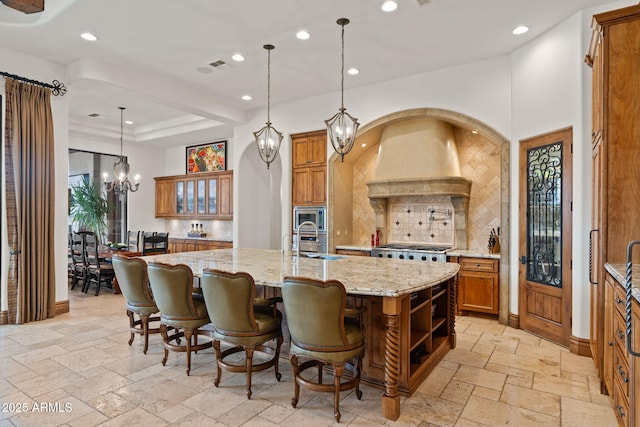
<point x="369" y="134"/>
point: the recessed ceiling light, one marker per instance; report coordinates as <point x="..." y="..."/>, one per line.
<point x="303" y="35"/>
<point x="363" y="144"/>
<point x="237" y="57"/>
<point x="88" y="36"/>
<point x="246" y="97"/>
<point x="353" y="71"/>
<point x="474" y="131"/>
<point x="520" y="29"/>
<point x="129" y="122"/>
<point x="389" y="6"/>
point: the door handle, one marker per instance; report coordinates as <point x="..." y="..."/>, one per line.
<point x="591" y="256"/>
<point x="523" y="259"/>
<point x="627" y="286"/>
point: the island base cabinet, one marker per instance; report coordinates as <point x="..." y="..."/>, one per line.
<point x="425" y="327"/>
<point x="425" y="335"/>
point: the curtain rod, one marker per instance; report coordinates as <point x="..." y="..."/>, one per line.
<point x="57" y="87"/>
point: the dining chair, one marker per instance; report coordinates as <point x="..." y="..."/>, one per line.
<point x="323" y="332"/>
<point x="134" y="284"/>
<point x="98" y="269"/>
<point x="155" y="243"/>
<point x="78" y="259"/>
<point x="242" y="320"/>
<point x="172" y="287"/>
<point x="134" y="240"/>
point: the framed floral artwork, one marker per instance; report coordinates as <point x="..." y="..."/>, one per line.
<point x="207" y="157"/>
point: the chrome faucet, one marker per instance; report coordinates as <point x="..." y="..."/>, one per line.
<point x="315" y="227"/>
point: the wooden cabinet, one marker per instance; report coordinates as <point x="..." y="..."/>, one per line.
<point x="165" y="198"/>
<point x="309" y="169"/>
<point x="352" y="252"/>
<point x="614" y="55"/>
<point x="309" y="149"/>
<point x="635" y="363"/>
<point x="426" y="327"/>
<point x="620" y="369"/>
<point x="190" y="245"/>
<point x="197" y="196"/>
<point x="478" y="285"/>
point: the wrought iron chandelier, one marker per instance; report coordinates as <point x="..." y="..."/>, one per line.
<point x="121" y="183"/>
<point x="268" y="139"/>
<point x="342" y="127"/>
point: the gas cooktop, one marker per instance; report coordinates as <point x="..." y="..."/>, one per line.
<point x="409" y="247"/>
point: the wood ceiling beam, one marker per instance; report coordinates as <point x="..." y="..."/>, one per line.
<point x="25" y="6"/>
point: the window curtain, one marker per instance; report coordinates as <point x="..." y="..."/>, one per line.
<point x="29" y="176"/>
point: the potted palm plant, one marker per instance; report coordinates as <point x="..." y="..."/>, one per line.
<point x="89" y="208"/>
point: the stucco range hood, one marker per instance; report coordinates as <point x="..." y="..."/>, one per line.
<point x="418" y="158"/>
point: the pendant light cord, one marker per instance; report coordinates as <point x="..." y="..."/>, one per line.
<point x="269" y="86"/>
<point x="121" y="129"/>
<point x="342" y="72"/>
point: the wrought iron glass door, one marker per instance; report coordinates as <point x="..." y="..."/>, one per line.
<point x="544" y="214"/>
<point x="545" y="236"/>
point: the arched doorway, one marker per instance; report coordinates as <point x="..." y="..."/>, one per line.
<point x="348" y="205"/>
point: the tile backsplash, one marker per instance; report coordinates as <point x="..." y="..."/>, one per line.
<point x="425" y="220"/>
<point x="222" y="230"/>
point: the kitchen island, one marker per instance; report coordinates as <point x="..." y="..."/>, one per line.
<point x="410" y="306"/>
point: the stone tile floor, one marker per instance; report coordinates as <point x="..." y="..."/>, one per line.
<point x="77" y="370"/>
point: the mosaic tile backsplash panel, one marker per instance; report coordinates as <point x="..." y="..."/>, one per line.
<point x="428" y="221"/>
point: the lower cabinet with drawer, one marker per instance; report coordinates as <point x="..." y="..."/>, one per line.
<point x="190" y="245"/>
<point x="352" y="252"/>
<point x="620" y="369"/>
<point x="478" y="285"/>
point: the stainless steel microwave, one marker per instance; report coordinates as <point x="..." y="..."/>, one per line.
<point x="314" y="214"/>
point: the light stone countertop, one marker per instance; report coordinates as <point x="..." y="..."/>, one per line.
<point x="455" y="252"/>
<point x="213" y="239"/>
<point x="619" y="273"/>
<point x="360" y="275"/>
<point x="355" y="247"/>
<point x="472" y="253"/>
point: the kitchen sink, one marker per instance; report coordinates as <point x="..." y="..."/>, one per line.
<point x="328" y="257"/>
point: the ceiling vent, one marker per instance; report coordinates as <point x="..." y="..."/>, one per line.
<point x="423" y="2"/>
<point x="219" y="65"/>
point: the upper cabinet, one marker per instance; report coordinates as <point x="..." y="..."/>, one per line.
<point x="204" y="196"/>
<point x="309" y="149"/>
<point x="309" y="171"/>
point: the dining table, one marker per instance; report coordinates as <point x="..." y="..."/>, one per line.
<point x="108" y="255"/>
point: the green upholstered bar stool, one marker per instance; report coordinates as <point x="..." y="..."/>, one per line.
<point x="172" y="287"/>
<point x="134" y="284"/>
<point x="240" y="319"/>
<point x="323" y="332"/>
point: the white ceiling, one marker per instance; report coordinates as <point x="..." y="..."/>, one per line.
<point x="149" y="52"/>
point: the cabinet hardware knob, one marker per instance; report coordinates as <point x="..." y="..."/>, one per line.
<point x="621" y="412"/>
<point x="611" y="343"/>
<point x="618" y="300"/>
